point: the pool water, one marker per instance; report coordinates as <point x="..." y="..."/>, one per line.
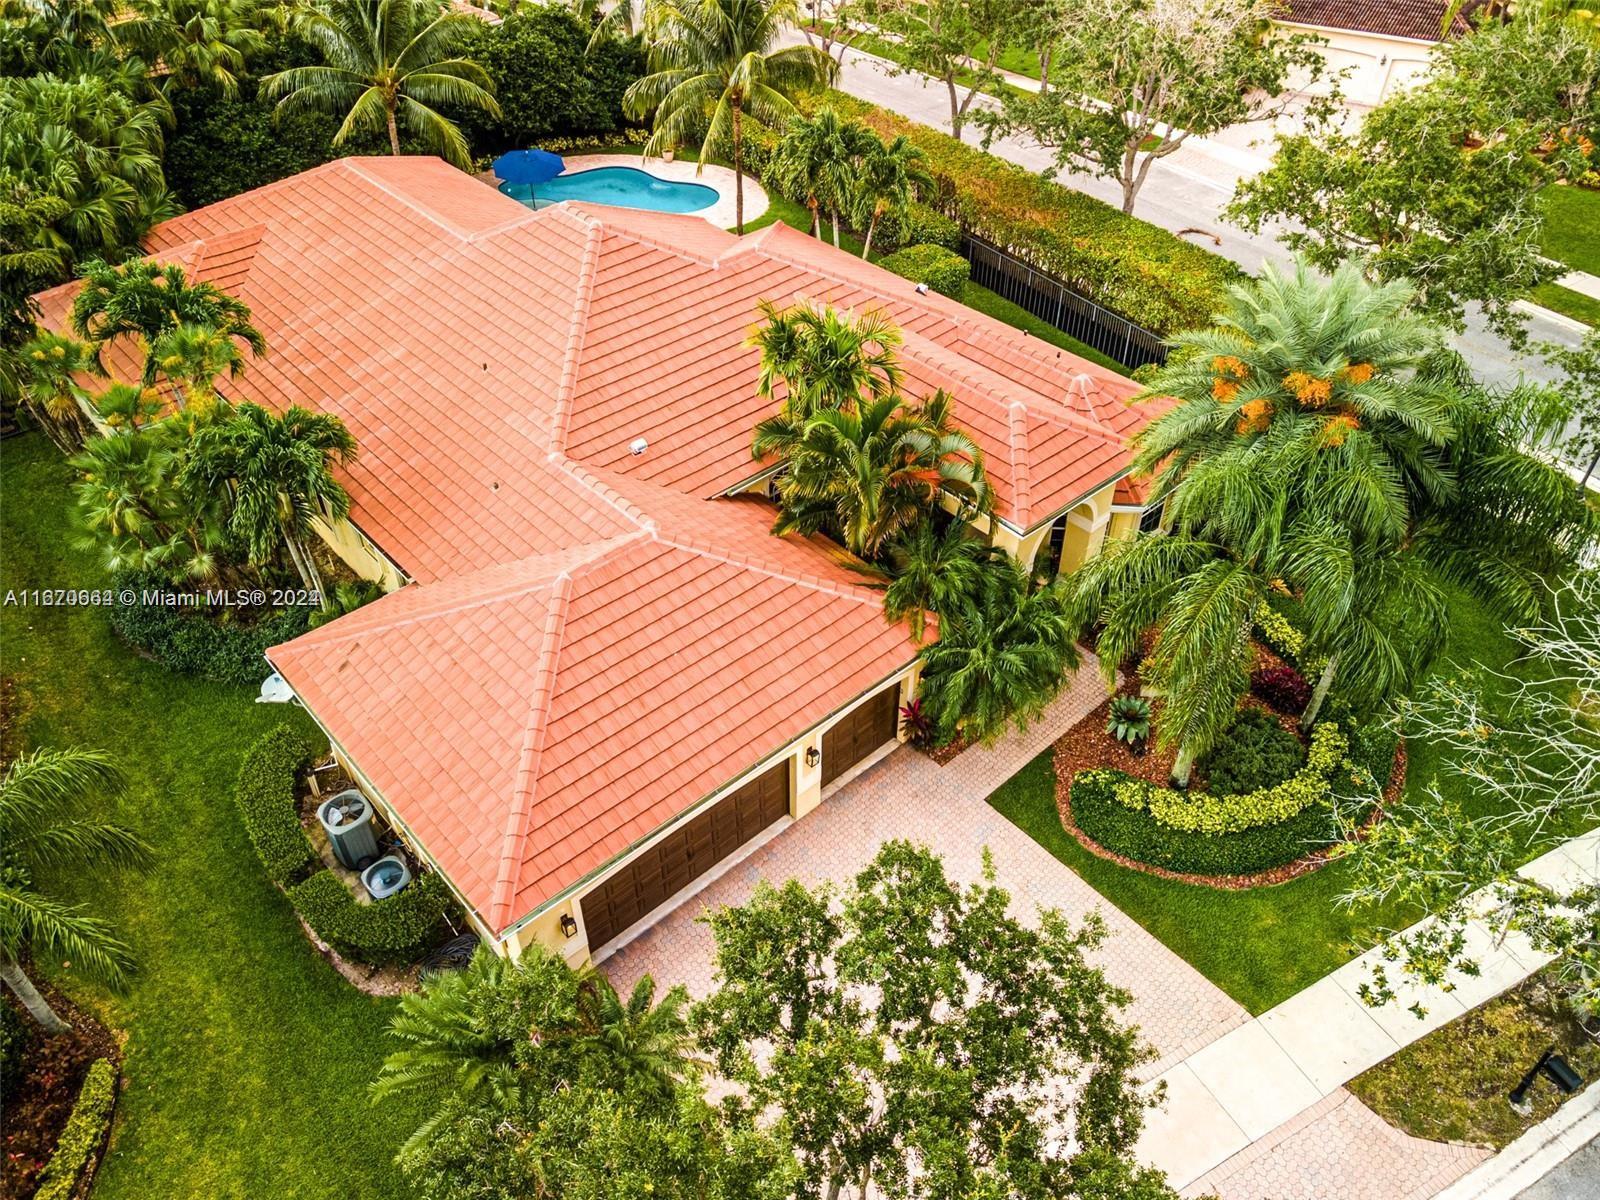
<point x="625" y="187"/>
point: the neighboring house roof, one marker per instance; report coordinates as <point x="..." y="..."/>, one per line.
<point x="595" y="642"/>
<point x="1416" y="19"/>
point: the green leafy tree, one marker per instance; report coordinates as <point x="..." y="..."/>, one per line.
<point x="891" y="178"/>
<point x="720" y="57"/>
<point x="874" y="471"/>
<point x="280" y="473"/>
<point x="44" y="824"/>
<point x="923" y="1044"/>
<point x="938" y="38"/>
<point x="1131" y="84"/>
<point x="30" y="260"/>
<point x="1575" y="427"/>
<point x="195" y="43"/>
<point x="822" y="359"/>
<point x="817" y="159"/>
<point x="149" y="300"/>
<point x="387" y="64"/>
<point x="1439" y="184"/>
<point x="1003" y="652"/>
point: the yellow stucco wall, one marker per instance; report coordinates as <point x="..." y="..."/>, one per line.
<point x="359" y="554"/>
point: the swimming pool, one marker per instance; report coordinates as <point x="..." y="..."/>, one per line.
<point x="625" y="187"/>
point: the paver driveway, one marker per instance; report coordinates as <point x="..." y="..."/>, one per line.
<point x="908" y="796"/>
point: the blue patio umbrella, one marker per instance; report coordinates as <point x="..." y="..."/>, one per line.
<point x="528" y="166"/>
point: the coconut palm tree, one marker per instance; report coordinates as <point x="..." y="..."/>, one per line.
<point x="718" y="56"/>
<point x="891" y="177"/>
<point x="280" y="471"/>
<point x="388" y="64"/>
<point x="43" y="825"/>
<point x="873" y="472"/>
<point x="1003" y="651"/>
<point x="818" y="158"/>
<point x="151" y="300"/>
<point x="195" y="42"/>
<point x="824" y="359"/>
<point x="933" y="568"/>
<point x="49" y="368"/>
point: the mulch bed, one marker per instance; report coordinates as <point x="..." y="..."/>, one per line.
<point x="946" y="754"/>
<point x="53" y="1071"/>
<point x="1087" y="745"/>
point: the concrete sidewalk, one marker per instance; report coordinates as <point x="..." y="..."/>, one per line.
<point x="1256" y="1078"/>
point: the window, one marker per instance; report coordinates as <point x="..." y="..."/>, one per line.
<point x="1150" y="518"/>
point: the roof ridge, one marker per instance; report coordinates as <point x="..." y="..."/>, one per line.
<point x="692" y="545"/>
<point x="577" y="329"/>
<point x="427" y="214"/>
<point x="533" y="734"/>
<point x="1021" y="477"/>
<point x="586" y="478"/>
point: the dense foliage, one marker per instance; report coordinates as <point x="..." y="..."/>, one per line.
<point x="942" y="270"/>
<point x="1255" y="752"/>
<point x="265" y="793"/>
<point x="227" y="650"/>
<point x="83" y="1134"/>
<point x="1284" y="688"/>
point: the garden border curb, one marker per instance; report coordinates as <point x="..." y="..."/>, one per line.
<point x="1533" y="1155"/>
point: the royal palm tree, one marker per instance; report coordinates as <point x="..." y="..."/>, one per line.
<point x="1003" y="651"/>
<point x="934" y="568"/>
<point x="824" y="359"/>
<point x="43" y="825"/>
<point x="195" y="42"/>
<point x="891" y="177"/>
<point x="49" y="368"/>
<point x="872" y="473"/>
<point x="280" y="471"/>
<point x="388" y="64"/>
<point x="818" y="158"/>
<point x="719" y="56"/>
<point x="150" y="300"/>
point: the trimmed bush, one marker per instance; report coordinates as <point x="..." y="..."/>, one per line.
<point x="82" y="1135"/>
<point x="1256" y="752"/>
<point x="1138" y="269"/>
<point x="395" y="930"/>
<point x="1200" y="812"/>
<point x="193" y="642"/>
<point x="266" y="797"/>
<point x="945" y="272"/>
<point x="918" y="226"/>
<point x="1139" y="836"/>
<point x="1284" y="688"/>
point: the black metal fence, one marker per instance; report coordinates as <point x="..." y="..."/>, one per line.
<point x="1047" y="298"/>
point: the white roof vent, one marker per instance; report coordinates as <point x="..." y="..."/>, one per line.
<point x="638" y="446"/>
<point x="922" y="289"/>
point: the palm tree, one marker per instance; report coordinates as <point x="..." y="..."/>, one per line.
<point x="642" y="1044"/>
<point x="718" y="56"/>
<point x="195" y="42"/>
<point x="1003" y="652"/>
<point x="817" y="158"/>
<point x="151" y="300"/>
<point x="280" y="470"/>
<point x="824" y="359"/>
<point x="891" y="177"/>
<point x="49" y="369"/>
<point x="191" y="357"/>
<point x="873" y="472"/>
<point x="42" y="795"/>
<point x="933" y="569"/>
<point x="387" y="64"/>
<point x="615" y="22"/>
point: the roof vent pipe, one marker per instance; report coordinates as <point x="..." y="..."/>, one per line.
<point x="638" y="446"/>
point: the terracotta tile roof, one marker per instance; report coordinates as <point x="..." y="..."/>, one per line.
<point x="594" y="642"/>
<point x="1418" y="19"/>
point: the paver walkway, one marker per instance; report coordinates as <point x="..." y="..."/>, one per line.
<point x="907" y="795"/>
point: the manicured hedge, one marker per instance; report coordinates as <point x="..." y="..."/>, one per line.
<point x="945" y="272"/>
<point x="197" y="642"/>
<point x="82" y="1135"/>
<point x="1256" y="752"/>
<point x="395" y="930"/>
<point x="265" y="795"/>
<point x="919" y="226"/>
<point x="1139" y="836"/>
<point x="1138" y="269"/>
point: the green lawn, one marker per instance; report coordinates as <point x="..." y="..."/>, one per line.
<point x="1567" y="302"/>
<point x="247" y="1056"/>
<point x="1260" y="946"/>
<point x="1572" y="226"/>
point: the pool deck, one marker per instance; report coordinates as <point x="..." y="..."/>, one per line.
<point x="718" y="178"/>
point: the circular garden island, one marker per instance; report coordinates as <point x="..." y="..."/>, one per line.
<point x="1270" y="801"/>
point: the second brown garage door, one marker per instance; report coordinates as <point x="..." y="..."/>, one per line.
<point x="684" y="855"/>
<point x="859" y="733"/>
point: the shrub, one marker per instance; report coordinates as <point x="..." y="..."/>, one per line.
<point x="1256" y="752"/>
<point x="1284" y="688"/>
<point x="1129" y="720"/>
<point x="223" y="650"/>
<point x="943" y="271"/>
<point x="266" y="798"/>
<point x="918" y="226"/>
<point x="1201" y="812"/>
<point x="14" y="1034"/>
<point x="1143" y="272"/>
<point x="83" y="1134"/>
<point x="393" y="930"/>
<point x="1139" y="836"/>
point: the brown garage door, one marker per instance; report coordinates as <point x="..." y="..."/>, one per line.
<point x="684" y="855"/>
<point x="859" y="733"/>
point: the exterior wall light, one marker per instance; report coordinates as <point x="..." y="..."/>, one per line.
<point x="569" y="927"/>
<point x="813" y="756"/>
